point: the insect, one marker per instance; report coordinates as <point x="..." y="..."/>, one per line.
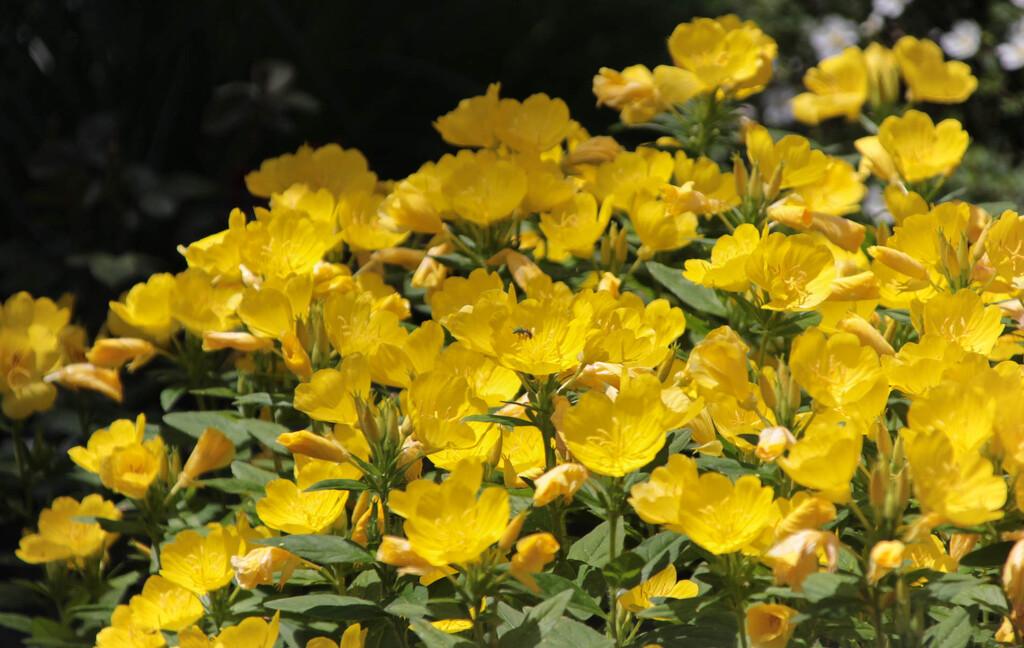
<point x="523" y="333"/>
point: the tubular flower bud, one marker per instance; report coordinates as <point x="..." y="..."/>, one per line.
<point x="306" y="443"/>
<point x="899" y="261"/>
<point x="867" y="334"/>
<point x="396" y="551"/>
<point x="295" y="357"/>
<point x="114" y="352"/>
<point x="83" y="375"/>
<point x="560" y="480"/>
<point x="213" y="451"/>
<point x="217" y="340"/>
<point x="532" y="553"/>
<point x="515" y="526"/>
<point x="769" y="626"/>
<point x="1013" y="573"/>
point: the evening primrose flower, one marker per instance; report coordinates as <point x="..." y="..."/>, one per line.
<point x="724" y="54"/>
<point x="288" y="507"/>
<point x="202" y="564"/>
<point x="532" y="553"/>
<point x="471" y="123"/>
<point x="164" y="605"/>
<point x="826" y="456"/>
<point x="915" y="147"/>
<point x="886" y="556"/>
<point x="614" y="437"/>
<point x="727" y="268"/>
<point x="533" y="125"/>
<point x="340" y="171"/>
<point x="796" y="272"/>
<point x="928" y="76"/>
<point x="115" y="352"/>
<point x="212" y="451"/>
<point x="835" y="370"/>
<point x="353" y="637"/>
<point x="661" y="230"/>
<point x="60" y="537"/>
<point x="838" y="87"/>
<point x="132" y="469"/>
<point x="258" y="566"/>
<point x="446" y="523"/>
<point x="252" y="632"/>
<point x="573" y="227"/>
<point x="962" y="318"/>
<point x="664" y="584"/>
<point x="561" y="480"/>
<point x="147" y="308"/>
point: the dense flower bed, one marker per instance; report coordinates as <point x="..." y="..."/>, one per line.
<point x="546" y="390"/>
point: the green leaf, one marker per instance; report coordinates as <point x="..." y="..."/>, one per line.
<point x="215" y="392"/>
<point x="539" y="621"/>
<point x="988" y="597"/>
<point x="508" y="421"/>
<point x="684" y="610"/>
<point x="338" y="484"/>
<point x="252" y="474"/>
<point x="624" y="571"/>
<point x="953" y="632"/>
<point x="567" y="633"/>
<point x="581" y="605"/>
<point x="327" y="606"/>
<point x="232" y="485"/>
<point x="659" y="551"/>
<point x="170" y="395"/>
<point x="18" y="622"/>
<point x="593" y="547"/>
<point x="693" y="295"/>
<point x="266" y="433"/>
<point x="992" y="555"/>
<point x="264" y="399"/>
<point x="195" y="423"/>
<point x="822" y="585"/>
<point x="434" y="608"/>
<point x="320" y="549"/>
<point x="945" y="587"/>
<point x="434" y="638"/>
<point x="728" y="467"/>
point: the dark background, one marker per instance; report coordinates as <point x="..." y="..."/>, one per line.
<point x="126" y="127"/>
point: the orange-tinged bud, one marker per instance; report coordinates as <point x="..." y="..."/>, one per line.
<point x="739" y="174"/>
<point x="213" y="451"/>
<point x="960" y="544"/>
<point x="306" y="443"/>
<point x="886" y="556"/>
<point x="809" y="514"/>
<point x="407" y="258"/>
<point x="772" y="442"/>
<point x="258" y="566"/>
<point x="83" y="375"/>
<point x="856" y="287"/>
<point x="532" y="553"/>
<point x="431" y="273"/>
<point x="1013" y="573"/>
<point x="114" y="352"/>
<point x="217" y="340"/>
<point x="295" y="357"/>
<point x="796" y="557"/>
<point x="396" y="551"/>
<point x="899" y="261"/>
<point x="593" y="151"/>
<point x="769" y="626"/>
<point x="560" y="480"/>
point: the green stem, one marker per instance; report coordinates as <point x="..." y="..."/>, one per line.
<point x="24" y="469"/>
<point x="612" y="500"/>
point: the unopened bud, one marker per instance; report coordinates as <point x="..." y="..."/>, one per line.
<point x="367" y="421"/>
<point x="515" y="526"/>
<point x="775" y="184"/>
<point x="739" y="175"/>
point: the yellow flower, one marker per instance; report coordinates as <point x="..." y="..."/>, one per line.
<point x="289" y="508"/>
<point x="124" y="633"/>
<point x="532" y="553"/>
<point x="928" y="76"/>
<point x="202" y="564"/>
<point x="724" y="54"/>
<point x="727" y="268"/>
<point x="365" y="225"/>
<point x="835" y="371"/>
<point x="796" y="557"/>
<point x="919" y="148"/>
<point x="483" y="189"/>
<point x="147" y="308"/>
<point x="826" y="456"/>
<point x="615" y="437"/>
<point x="1013" y="573"/>
<point x="659" y="230"/>
<point x="331" y="167"/>
<point x="60" y="537"/>
<point x="105" y="441"/>
<point x="838" y="87"/>
<point x="164" y="605"/>
<point x="132" y="469"/>
<point x="202" y="304"/>
<point x="1004" y="245"/>
<point x="715" y="190"/>
<point x="962" y="490"/>
<point x="769" y="625"/>
<point x="718" y="515"/>
<point x="398" y="552"/>
<point x="795" y="271"/>
<point x="561" y="480"/>
<point x="639" y="94"/>
<point x="664" y="584"/>
<point x="961" y="318"/>
<point x="330" y="393"/>
<point x="772" y="442"/>
<point x="253" y="632"/>
<point x="574" y="227"/>
<point x="353" y="637"/>
<point x="258" y="566"/>
<point x="446" y="523"/>
<point x="533" y="126"/>
<point x="472" y="122"/>
<point x="792" y="157"/>
<point x="886" y="556"/>
<point x="965" y="412"/>
<point x="718" y="365"/>
<point x="633" y="177"/>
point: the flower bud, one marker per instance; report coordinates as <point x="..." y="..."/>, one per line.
<point x="960" y="544"/>
<point x="768" y="625"/>
<point x="1013" y="573"/>
<point x="899" y="261"/>
<point x="886" y="556"/>
<point x="218" y="340"/>
<point x="772" y="442"/>
<point x="396" y="551"/>
<point x="213" y="451"/>
<point x="313" y="445"/>
<point x="258" y="566"/>
<point x="295" y="357"/>
<point x="532" y="553"/>
<point x="114" y="352"/>
<point x="83" y="375"/>
<point x="515" y="526"/>
<point x="565" y="480"/>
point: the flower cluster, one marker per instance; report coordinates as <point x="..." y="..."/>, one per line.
<point x="546" y="386"/>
